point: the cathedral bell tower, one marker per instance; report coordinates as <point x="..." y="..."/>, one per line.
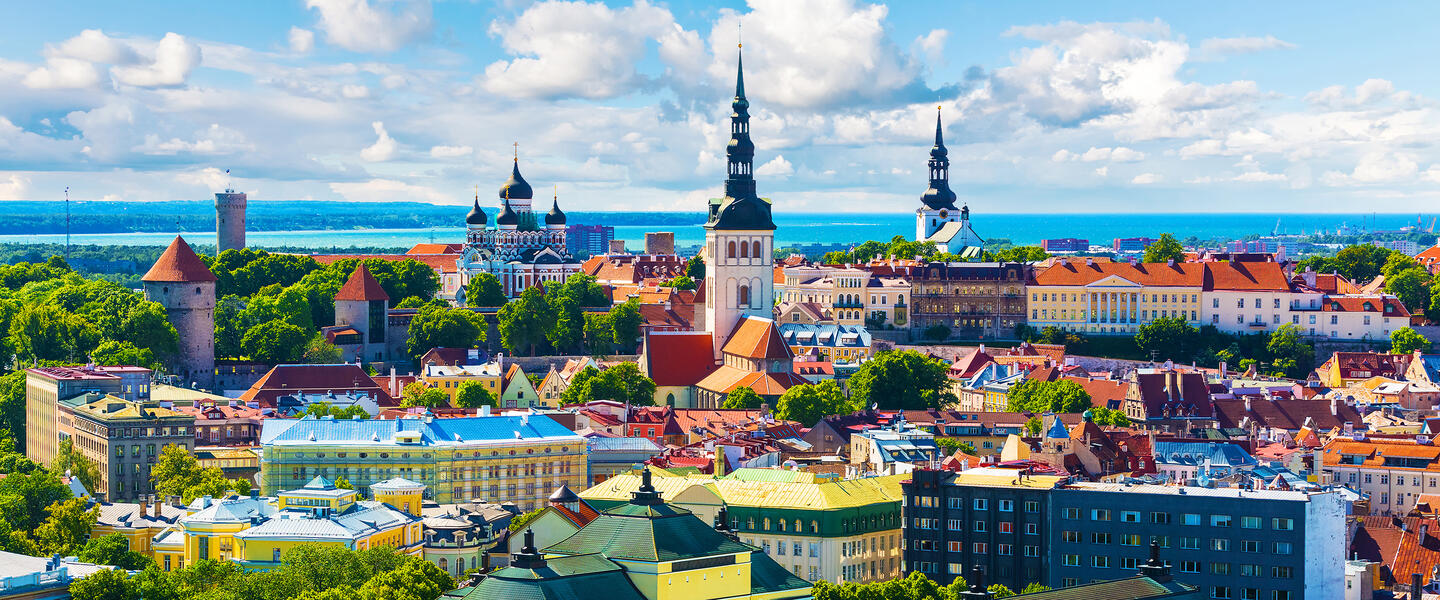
<point x="739" y="234"/>
<point x="937" y="204"/>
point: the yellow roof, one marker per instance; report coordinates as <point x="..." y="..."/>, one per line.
<point x="1375" y="382"/>
<point x="991" y="477"/>
<point x="115" y="407"/>
<point x="810" y="495"/>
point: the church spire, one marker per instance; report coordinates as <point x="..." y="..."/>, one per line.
<point x="939" y="196"/>
<point x="740" y="153"/>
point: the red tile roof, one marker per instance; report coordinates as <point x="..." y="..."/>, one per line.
<point x="678" y="358"/>
<point x="1108" y="393"/>
<point x="970" y="364"/>
<point x="1374" y="304"/>
<point x="660" y="316"/>
<point x="727" y="379"/>
<point x="1246" y="276"/>
<point x="179" y="264"/>
<point x="1396" y="543"/>
<point x="757" y="338"/>
<point x="1078" y="272"/>
<point x="362" y="287"/>
<point x="1285" y="413"/>
<point x="436" y="249"/>
<point x="1190" y="396"/>
<point x="314" y="379"/>
<point x="779" y="274"/>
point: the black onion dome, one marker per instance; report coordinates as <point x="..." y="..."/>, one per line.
<point x="507" y="215"/>
<point x="748" y="214"/>
<point x="516" y="187"/>
<point x="555" y="216"/>
<point x="476" y="216"/>
<point x="939" y="198"/>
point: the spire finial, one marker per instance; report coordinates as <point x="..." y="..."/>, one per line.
<point x="739" y="71"/>
<point x="939" y="137"/>
<point x="517" y="151"/>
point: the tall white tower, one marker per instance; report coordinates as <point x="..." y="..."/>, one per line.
<point x="739" y="235"/>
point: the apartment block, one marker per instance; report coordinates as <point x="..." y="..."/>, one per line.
<point x="124" y="438"/>
<point x="46" y="386"/>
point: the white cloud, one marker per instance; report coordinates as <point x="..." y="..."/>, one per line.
<point x="1217" y="48"/>
<point x="581" y="49"/>
<point x="15" y="187"/>
<point x="1099" y="153"/>
<point x="1146" y="179"/>
<point x="931" y="46"/>
<point x="213" y="140"/>
<point x="384" y="26"/>
<point x="1375" y="168"/>
<point x="63" y="73"/>
<point x="354" y="92"/>
<point x="384" y="147"/>
<point x="387" y="190"/>
<point x="777" y="167"/>
<point x="173" y="59"/>
<point x="450" y="151"/>
<point x="1102" y="171"/>
<point x="210" y="178"/>
<point x="302" y="41"/>
<point x="1064" y="155"/>
<point x="93" y="45"/>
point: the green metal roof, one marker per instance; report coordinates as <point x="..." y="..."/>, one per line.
<point x="648" y="533"/>
<point x="1131" y="588"/>
<point x="565" y="578"/>
<point x="768" y="576"/>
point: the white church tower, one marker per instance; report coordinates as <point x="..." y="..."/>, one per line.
<point x="937" y="219"/>
<point x="739" y="235"/>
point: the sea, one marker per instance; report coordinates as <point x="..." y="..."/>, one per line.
<point x="843" y="228"/>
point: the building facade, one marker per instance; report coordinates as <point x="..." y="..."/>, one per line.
<point x="1114" y="297"/>
<point x="1391" y="473"/>
<point x="512" y="459"/>
<point x="229" y="221"/>
<point x="588" y="240"/>
<point x="849" y="295"/>
<point x="124" y="439"/>
<point x="972" y="300"/>
<point x="45" y="425"/>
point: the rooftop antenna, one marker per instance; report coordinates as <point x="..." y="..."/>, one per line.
<point x="67" y="223"/>
<point x="229" y="189"/>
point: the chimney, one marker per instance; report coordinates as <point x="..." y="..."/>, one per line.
<point x="1170" y="262"/>
<point x="1247" y="404"/>
<point x="1416" y="586"/>
<point x="977" y="589"/>
<point x="1335" y="407"/>
<point x="144" y="505"/>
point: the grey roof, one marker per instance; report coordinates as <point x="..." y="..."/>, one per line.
<point x="624" y="444"/>
<point x="21" y="565"/>
<point x="127" y="514"/>
<point x="230" y="510"/>
<point x="363" y="519"/>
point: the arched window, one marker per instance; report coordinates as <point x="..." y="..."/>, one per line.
<point x="756" y="249"/>
<point x="744" y="250"/>
<point x="460" y="566"/>
<point x="670" y="400"/>
<point x="732" y="250"/>
<point x="444" y="565"/>
<point x="744" y="295"/>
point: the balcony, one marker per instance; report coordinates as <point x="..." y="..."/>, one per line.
<point x="844" y="304"/>
<point x="1256" y="325"/>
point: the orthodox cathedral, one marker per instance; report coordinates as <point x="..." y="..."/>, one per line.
<point x="937" y="220"/>
<point x="523" y="248"/>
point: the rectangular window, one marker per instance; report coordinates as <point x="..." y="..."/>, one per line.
<point x="980" y="504"/>
<point x="1249" y="546"/>
<point x="1162" y="518"/>
<point x="1032" y="551"/>
<point x="979" y="548"/>
<point x="1249" y="522"/>
<point x="1190" y="543"/>
<point x="1129" y="539"/>
<point x="1219" y="568"/>
<point x="1190" y="519"/>
<point x="1220" y="544"/>
<point x="1189" y="566"/>
<point x="1282" y="524"/>
<point x="1219" y="520"/>
<point x="1007" y="527"/>
<point x="955" y="546"/>
<point x="1070" y="560"/>
<point x="1007" y="506"/>
<point x="1100" y="561"/>
<point x="1032" y="529"/>
<point x="1070" y="536"/>
<point x="1129" y="516"/>
<point x="1072" y="513"/>
<point x="1282" y="572"/>
<point x="1032" y="506"/>
<point x="1003" y="549"/>
<point x="1251" y="570"/>
<point x="1283" y="547"/>
<point x="1099" y="537"/>
<point x="1128" y="563"/>
<point x="1099" y="514"/>
<point x="980" y="526"/>
<point x="1220" y="592"/>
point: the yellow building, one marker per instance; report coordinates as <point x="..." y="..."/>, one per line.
<point x="1113" y="297"/>
<point x="137" y="522"/>
<point x="400" y="493"/>
<point x="447" y="378"/>
<point x="256" y="531"/>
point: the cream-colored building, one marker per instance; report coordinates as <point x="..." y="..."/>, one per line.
<point x="818" y="529"/>
<point x="1114" y="297"/>
<point x="851" y="294"/>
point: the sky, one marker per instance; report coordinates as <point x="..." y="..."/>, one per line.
<point x="1049" y="107"/>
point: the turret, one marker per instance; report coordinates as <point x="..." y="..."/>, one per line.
<point x="182" y="283"/>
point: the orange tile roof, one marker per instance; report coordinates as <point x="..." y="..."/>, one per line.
<point x="779" y="274"/>
<point x="757" y="337"/>
<point x="283" y="380"/>
<point x="1373" y="304"/>
<point x="1429" y="256"/>
<point x="362" y="287"/>
<point x="1246" y="276"/>
<point x="1077" y="272"/>
<point x="658" y="315"/>
<point x="436" y="249"/>
<point x="1108" y="393"/>
<point x="1396" y="543"/>
<point x="1374" y="451"/>
<point x="727" y="379"/>
<point x="179" y="264"/>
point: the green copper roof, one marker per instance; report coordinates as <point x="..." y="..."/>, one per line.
<point x="1131" y="588"/>
<point x="767" y="576"/>
<point x="564" y="578"/>
<point x="648" y="533"/>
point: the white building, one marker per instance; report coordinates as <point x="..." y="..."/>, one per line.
<point x="522" y="250"/>
<point x="938" y="220"/>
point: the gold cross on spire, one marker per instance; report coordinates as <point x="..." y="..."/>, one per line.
<point x="517" y="151"/>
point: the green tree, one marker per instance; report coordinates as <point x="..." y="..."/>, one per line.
<point x="69" y="460"/>
<point x="1411" y="286"/>
<point x="12" y="410"/>
<point x="599" y="333"/>
<point x="484" y="290"/>
<point x="419" y="394"/>
<point x="905" y="380"/>
<point x="1033" y="425"/>
<point x="1168" y="338"/>
<point x="113" y="550"/>
<point x="1362" y="262"/>
<point x="472" y="394"/>
<point x="578" y="392"/>
<point x="107" y="584"/>
<point x="111" y="352"/>
<point x="342" y="483"/>
<point x="25" y="497"/>
<point x="1034" y="588"/>
<point x="1060" y="396"/>
<point x="1167" y="248"/>
<point x="1432" y="310"/>
<point x="435" y="327"/>
<point x="622" y="383"/>
<point x="319" y="351"/>
<point x="147" y="326"/>
<point x="680" y="282"/>
<point x="229" y="328"/>
<point x="807" y="404"/>
<point x="625" y="324"/>
<point x="1397" y="262"/>
<point x="567" y="331"/>
<point x="414" y="580"/>
<point x="177" y="473"/>
<point x="742" y="397"/>
<point x="275" y="342"/>
<point x="518" y="521"/>
<point x="695" y="268"/>
<point x="1406" y="340"/>
<point x="1287" y="348"/>
<point x="524" y="322"/>
<point x="48" y="332"/>
<point x="937" y="333"/>
<point x="1102" y="415"/>
<point x="67" y="527"/>
<point x="951" y="446"/>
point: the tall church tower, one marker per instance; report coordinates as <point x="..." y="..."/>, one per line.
<point x="739" y="235"/>
<point x="937" y="219"/>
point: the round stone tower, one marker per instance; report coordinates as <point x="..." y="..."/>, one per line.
<point x="181" y="283"/>
<point x="229" y="220"/>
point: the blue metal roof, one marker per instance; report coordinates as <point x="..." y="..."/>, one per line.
<point x="435" y="432"/>
<point x="1195" y="453"/>
<point x="623" y="444"/>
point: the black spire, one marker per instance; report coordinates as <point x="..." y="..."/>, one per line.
<point x="741" y="208"/>
<point x="555" y="216"/>
<point x="939" y="195"/>
<point x="646" y="495"/>
<point x="507" y="214"/>
<point x="516" y="187"/>
<point x="476" y="216"/>
<point x="529" y="556"/>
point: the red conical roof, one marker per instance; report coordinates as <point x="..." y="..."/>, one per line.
<point x="179" y="264"/>
<point x="362" y="286"/>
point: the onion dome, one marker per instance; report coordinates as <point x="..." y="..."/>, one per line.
<point x="516" y="187"/>
<point x="939" y="196"/>
<point x="507" y="215"/>
<point x="476" y="216"/>
<point x="555" y="216"/>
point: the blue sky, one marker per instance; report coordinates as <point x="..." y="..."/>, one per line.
<point x="1049" y="106"/>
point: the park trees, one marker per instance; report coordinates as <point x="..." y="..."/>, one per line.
<point x="1168" y="338"/>
<point x="524" y="322"/>
<point x="742" y="397"/>
<point x="439" y="327"/>
<point x="419" y="394"/>
<point x="472" y="394"/>
<point x="484" y="290"/>
<point x="177" y="473"/>
<point x="1165" y="249"/>
<point x="1406" y="340"/>
<point x="903" y="380"/>
<point x="807" y="404"/>
<point x="275" y="342"/>
<point x="1060" y="396"/>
